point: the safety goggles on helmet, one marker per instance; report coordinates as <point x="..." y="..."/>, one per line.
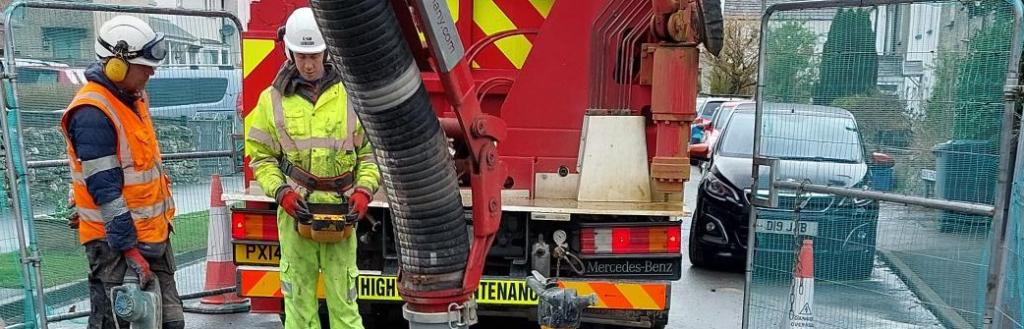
<point x="154" y="50"/>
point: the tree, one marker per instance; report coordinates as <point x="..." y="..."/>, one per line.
<point x="977" y="114"/>
<point x="849" y="64"/>
<point x="938" y="122"/>
<point x="734" y="70"/>
<point x="789" y="55"/>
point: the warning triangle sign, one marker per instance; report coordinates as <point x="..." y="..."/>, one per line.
<point x="806" y="311"/>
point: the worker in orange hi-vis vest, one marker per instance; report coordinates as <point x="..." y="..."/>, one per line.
<point x="119" y="189"/>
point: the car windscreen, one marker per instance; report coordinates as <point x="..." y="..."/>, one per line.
<point x="794" y="136"/>
<point x="185" y="91"/>
<point x="709" y="109"/>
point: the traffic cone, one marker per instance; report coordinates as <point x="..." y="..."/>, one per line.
<point x="220" y="269"/>
<point x="800" y="307"/>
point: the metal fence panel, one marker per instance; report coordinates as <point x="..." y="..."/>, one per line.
<point x="1010" y="308"/>
<point x="12" y="294"/>
<point x="193" y="101"/>
<point x="901" y="98"/>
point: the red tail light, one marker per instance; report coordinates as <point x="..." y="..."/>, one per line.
<point x="621" y="239"/>
<point x="259" y="225"/>
<point x="631" y="240"/>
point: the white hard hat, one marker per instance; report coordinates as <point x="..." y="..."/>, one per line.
<point x="132" y="39"/>
<point x="302" y="34"/>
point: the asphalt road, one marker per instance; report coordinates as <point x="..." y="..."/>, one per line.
<point x="714" y="300"/>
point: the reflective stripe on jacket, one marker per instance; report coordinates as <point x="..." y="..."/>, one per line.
<point x="146" y="190"/>
<point x="325" y="139"/>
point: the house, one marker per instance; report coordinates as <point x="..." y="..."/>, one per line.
<point x="51" y="35"/>
<point x="67" y="36"/>
<point x="907" y="37"/>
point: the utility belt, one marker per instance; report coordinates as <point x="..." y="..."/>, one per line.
<point x="309" y="181"/>
<point x="330" y="222"/>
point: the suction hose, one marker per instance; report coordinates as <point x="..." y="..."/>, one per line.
<point x="364" y="38"/>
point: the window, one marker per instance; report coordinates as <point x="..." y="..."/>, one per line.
<point x="63" y="42"/>
<point x="795" y="136"/>
<point x="212" y="57"/>
<point x="709" y="109"/>
<point x="185" y="91"/>
<point x="721" y="116"/>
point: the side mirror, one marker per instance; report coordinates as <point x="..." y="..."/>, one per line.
<point x="882" y="160"/>
<point x="699" y="152"/>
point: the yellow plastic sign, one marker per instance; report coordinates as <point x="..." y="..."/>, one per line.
<point x="257" y="254"/>
<point x="495" y="292"/>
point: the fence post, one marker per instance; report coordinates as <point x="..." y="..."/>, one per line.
<point x="996" y="270"/>
<point x="16" y="174"/>
<point x="1000" y="248"/>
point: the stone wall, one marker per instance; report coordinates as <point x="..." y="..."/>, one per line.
<point x="43" y="140"/>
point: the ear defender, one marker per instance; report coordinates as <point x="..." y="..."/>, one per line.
<point x="116" y="68"/>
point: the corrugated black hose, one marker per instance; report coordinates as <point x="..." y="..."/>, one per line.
<point x="365" y="40"/>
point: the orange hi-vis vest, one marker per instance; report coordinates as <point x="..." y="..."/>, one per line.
<point x="146" y="192"/>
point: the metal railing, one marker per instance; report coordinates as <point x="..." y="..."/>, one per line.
<point x="956" y="206"/>
<point x="956" y="241"/>
<point x="171" y="156"/>
<point x="17" y="168"/>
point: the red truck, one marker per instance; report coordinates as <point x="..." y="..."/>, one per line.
<point x="596" y="99"/>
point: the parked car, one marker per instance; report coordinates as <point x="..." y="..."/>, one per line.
<point x="700" y="149"/>
<point x="707" y="106"/>
<point x="46" y="86"/>
<point x="32" y="71"/>
<point x="192" y="92"/>
<point x="815" y="143"/>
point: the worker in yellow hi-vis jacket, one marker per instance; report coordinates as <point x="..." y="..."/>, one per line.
<point x="307" y="150"/>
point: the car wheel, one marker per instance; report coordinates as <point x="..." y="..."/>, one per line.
<point x="699" y="257"/>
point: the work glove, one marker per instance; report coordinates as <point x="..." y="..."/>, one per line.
<point x="358" y="204"/>
<point x="293" y="204"/>
<point x="138" y="264"/>
<point x="73" y="218"/>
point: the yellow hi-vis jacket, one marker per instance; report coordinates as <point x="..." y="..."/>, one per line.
<point x="325" y="139"/>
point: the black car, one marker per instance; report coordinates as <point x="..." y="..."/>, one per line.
<point x="816" y="144"/>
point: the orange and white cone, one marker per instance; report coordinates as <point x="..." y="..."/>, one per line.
<point x="801" y="304"/>
<point x="220" y="268"/>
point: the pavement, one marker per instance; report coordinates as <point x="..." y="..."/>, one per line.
<point x="705" y="299"/>
<point x="947" y="269"/>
